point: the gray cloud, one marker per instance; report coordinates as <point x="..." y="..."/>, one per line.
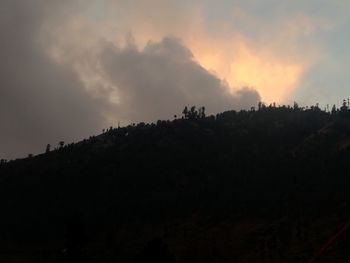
<point x="40" y="101"/>
<point x="158" y="81"/>
<point x="43" y="100"/>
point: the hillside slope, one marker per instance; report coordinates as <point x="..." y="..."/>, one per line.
<point x="266" y="185"/>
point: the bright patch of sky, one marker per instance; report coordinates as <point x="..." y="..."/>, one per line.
<point x="287" y="50"/>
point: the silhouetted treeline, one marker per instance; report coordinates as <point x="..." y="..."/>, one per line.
<point x="266" y="185"/>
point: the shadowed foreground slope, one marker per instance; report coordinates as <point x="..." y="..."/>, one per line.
<point x="266" y="185"/>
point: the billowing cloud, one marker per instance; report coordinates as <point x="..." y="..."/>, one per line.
<point x="236" y="45"/>
<point x="158" y="80"/>
<point x="269" y="51"/>
<point x="64" y="76"/>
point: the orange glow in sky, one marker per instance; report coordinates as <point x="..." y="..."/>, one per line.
<point x="273" y="68"/>
<point x="241" y="66"/>
<point x="233" y="61"/>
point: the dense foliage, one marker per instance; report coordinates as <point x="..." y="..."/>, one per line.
<point x="266" y="185"/>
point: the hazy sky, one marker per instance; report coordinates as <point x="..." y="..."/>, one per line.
<point x="70" y="68"/>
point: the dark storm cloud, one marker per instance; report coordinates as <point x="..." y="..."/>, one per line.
<point x="158" y="81"/>
<point x="40" y="101"/>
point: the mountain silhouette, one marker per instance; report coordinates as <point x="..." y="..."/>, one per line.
<point x="266" y="185"/>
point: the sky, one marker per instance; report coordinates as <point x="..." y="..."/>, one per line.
<point x="70" y="68"/>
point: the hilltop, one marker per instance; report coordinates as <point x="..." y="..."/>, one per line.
<point x="266" y="185"/>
